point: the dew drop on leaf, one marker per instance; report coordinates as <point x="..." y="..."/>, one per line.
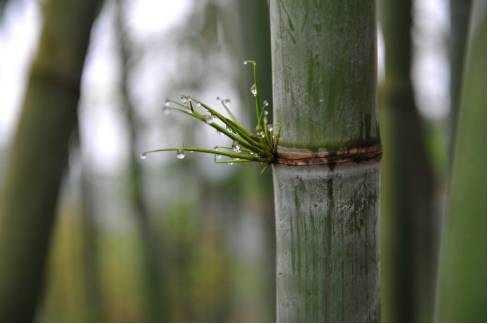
<point x="254" y="90"/>
<point x="180" y="155"/>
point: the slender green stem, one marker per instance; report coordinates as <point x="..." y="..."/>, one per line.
<point x="244" y="133"/>
<point x="219" y="128"/>
<point x="211" y="151"/>
<point x="234" y="119"/>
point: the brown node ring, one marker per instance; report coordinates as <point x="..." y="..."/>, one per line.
<point x="348" y="155"/>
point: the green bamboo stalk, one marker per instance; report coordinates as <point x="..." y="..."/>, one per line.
<point x="39" y="153"/>
<point x="324" y="93"/>
<point x="462" y="271"/>
<point x="409" y="223"/>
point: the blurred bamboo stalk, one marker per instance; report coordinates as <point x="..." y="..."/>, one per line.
<point x="152" y="277"/>
<point x="461" y="295"/>
<point x="38" y="155"/>
<point x="90" y="246"/>
<point x="255" y="44"/>
<point x="409" y="223"/>
<point x="459" y="16"/>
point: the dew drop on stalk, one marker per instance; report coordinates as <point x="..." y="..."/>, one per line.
<point x="236" y="148"/>
<point x="143" y="156"/>
<point x="167" y="107"/>
<point x="265" y="103"/>
<point x="246" y="62"/>
<point x="270" y="128"/>
<point x="254" y="90"/>
<point x="180" y="155"/>
<point x="184" y="99"/>
<point x="266" y="113"/>
<point x="209" y="119"/>
<point x="226" y="101"/>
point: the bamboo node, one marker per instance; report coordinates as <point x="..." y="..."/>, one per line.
<point x="332" y="158"/>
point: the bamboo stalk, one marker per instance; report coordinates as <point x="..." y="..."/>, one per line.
<point x="39" y="153"/>
<point x="324" y="93"/>
<point x="461" y="294"/>
<point x="409" y="220"/>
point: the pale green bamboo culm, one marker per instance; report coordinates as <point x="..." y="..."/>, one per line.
<point x="38" y="155"/>
<point x="324" y="94"/>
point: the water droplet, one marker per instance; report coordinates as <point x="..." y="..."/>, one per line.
<point x="236" y="148"/>
<point x="265" y="103"/>
<point x="209" y="119"/>
<point x="254" y="90"/>
<point x="261" y="134"/>
<point x="270" y="128"/>
<point x="143" y="156"/>
<point x="167" y="107"/>
<point x="248" y="62"/>
<point x="199" y="105"/>
<point x="180" y="154"/>
<point x="184" y="99"/>
<point x="226" y="101"/>
<point x="266" y="113"/>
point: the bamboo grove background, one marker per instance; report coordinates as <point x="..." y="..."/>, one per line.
<point x="105" y="236"/>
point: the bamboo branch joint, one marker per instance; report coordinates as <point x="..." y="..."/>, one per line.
<point x="348" y="155"/>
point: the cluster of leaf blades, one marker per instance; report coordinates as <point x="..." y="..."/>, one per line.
<point x="248" y="146"/>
